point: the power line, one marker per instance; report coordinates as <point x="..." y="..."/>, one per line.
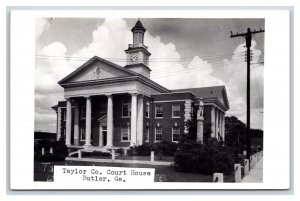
<point x="207" y="57"/>
<point x="248" y="38"/>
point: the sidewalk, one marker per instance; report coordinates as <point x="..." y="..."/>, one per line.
<point x="255" y="174"/>
<point x="120" y="161"/>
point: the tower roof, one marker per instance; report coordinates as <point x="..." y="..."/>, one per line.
<point x="138" y="26"/>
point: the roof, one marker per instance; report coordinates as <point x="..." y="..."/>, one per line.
<point x="94" y="58"/>
<point x="130" y="72"/>
<point x="138" y="26"/>
<point x="208" y="92"/>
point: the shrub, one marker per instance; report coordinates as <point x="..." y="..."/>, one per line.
<point x="130" y="151"/>
<point x="204" y="158"/>
<point x="95" y="153"/>
<point x="120" y="151"/>
<point x="50" y="158"/>
<point x="143" y="150"/>
<point x="165" y="148"/>
<point x="60" y="149"/>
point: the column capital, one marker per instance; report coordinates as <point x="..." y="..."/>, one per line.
<point x="87" y="96"/>
<point x="133" y="93"/>
<point x="108" y="94"/>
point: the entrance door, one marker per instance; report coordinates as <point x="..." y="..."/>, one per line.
<point x="104" y="135"/>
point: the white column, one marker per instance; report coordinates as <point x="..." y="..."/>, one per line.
<point x="223" y="126"/>
<point x="110" y="127"/>
<point x="133" y="119"/>
<point x="76" y="125"/>
<point x="213" y="121"/>
<point x="100" y="137"/>
<point x="88" y="121"/>
<point x="140" y="120"/>
<point x="68" y="122"/>
<point x="217" y="123"/>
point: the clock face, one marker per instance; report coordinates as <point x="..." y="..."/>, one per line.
<point x="133" y="57"/>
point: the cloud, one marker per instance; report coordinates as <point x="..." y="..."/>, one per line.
<point x="41" y="24"/>
<point x="109" y="41"/>
<point x="234" y="73"/>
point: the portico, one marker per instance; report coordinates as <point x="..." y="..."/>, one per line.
<point x="104" y="125"/>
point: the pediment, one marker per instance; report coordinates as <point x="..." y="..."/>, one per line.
<point x="96" y="69"/>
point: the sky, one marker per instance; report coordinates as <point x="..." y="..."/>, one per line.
<point x="186" y="53"/>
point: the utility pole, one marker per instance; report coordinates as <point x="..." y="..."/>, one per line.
<point x="248" y="38"/>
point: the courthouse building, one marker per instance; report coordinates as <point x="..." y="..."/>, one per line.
<point x="107" y="105"/>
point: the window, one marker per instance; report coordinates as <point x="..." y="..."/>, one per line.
<point x="175" y="110"/>
<point x="103" y="108"/>
<point x="158" y="111"/>
<point x="147" y="110"/>
<point x="175" y="133"/>
<point x="126" y="109"/>
<point x="82" y="112"/>
<point x="158" y="134"/>
<point x="82" y="131"/>
<point x="147" y="134"/>
<point x="125" y="133"/>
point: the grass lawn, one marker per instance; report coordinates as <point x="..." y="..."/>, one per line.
<point x="44" y="171"/>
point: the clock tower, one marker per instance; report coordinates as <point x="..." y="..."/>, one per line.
<point x="137" y="54"/>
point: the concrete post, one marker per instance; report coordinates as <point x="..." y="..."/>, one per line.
<point x="251" y="162"/>
<point x="152" y="156"/>
<point x="237" y="173"/>
<point x="125" y="152"/>
<point x="113" y="156"/>
<point x="218" y="178"/>
<point x="246" y="166"/>
<point x="43" y="151"/>
<point x="79" y="154"/>
<point x="51" y="150"/>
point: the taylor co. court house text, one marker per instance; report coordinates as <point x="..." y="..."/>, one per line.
<point x="104" y="174"/>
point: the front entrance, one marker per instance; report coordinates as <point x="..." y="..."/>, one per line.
<point x="103" y="131"/>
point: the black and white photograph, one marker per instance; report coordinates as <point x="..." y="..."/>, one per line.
<point x="183" y="97"/>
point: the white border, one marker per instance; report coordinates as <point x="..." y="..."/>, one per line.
<point x="276" y="111"/>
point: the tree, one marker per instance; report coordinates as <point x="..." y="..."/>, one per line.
<point x="235" y="134"/>
<point x="191" y="125"/>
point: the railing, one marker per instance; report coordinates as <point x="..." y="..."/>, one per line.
<point x="137" y="45"/>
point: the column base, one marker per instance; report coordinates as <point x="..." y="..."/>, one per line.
<point x="108" y="146"/>
<point x="76" y="142"/>
<point x="87" y="146"/>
